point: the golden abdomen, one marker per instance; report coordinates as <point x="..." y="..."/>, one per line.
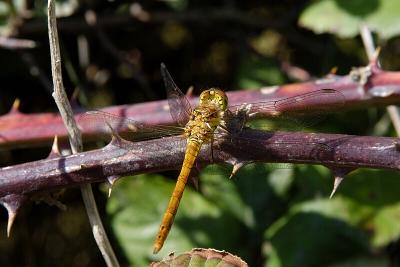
<point x="192" y="150"/>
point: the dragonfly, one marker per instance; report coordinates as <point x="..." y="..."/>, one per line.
<point x="199" y="126"/>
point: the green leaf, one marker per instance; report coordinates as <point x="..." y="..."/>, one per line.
<point x="344" y="18"/>
<point x="202" y="257"/>
<point x="316" y="233"/>
<point x="375" y="188"/>
<point x="5" y="13"/>
<point x="311" y="181"/>
<point x="281" y="181"/>
<point x="386" y="226"/>
<point x="251" y="193"/>
<point x="251" y="196"/>
<point x="178" y="5"/>
<point x="257" y="73"/>
<point x="136" y="208"/>
<point x="217" y="188"/>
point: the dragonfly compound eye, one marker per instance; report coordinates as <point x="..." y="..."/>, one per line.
<point x="214" y="96"/>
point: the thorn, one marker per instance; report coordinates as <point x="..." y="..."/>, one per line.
<point x="111" y="181"/>
<point x="333" y="70"/>
<point x="15" y="106"/>
<point x="116" y="139"/>
<point x="336" y="184"/>
<point x="12" y="203"/>
<point x="55" y="149"/>
<point x="189" y="92"/>
<point x="236" y="168"/>
<point x="375" y="58"/>
<point x="339" y="174"/>
<point x="10" y="222"/>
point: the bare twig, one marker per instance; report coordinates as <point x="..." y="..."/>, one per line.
<point x="366" y="36"/>
<point x="75" y="138"/>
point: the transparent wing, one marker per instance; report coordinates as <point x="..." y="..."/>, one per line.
<point x="292" y="113"/>
<point x="179" y="106"/>
<point x="296" y="112"/>
<point x="95" y="122"/>
<point x="276" y="153"/>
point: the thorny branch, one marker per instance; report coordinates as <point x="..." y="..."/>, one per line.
<point x="362" y="87"/>
<point x="393" y="111"/>
<point x="340" y="153"/>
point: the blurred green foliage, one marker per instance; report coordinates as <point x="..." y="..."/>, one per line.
<point x="268" y="216"/>
<point x="344" y="18"/>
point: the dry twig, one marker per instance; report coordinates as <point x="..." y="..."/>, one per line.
<point x="75" y="138"/>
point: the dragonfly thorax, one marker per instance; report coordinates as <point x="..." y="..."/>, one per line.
<point x="206" y="117"/>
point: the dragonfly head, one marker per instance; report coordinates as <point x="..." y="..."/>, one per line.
<point x="214" y="96"/>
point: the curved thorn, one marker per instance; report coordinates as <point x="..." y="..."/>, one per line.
<point x="336" y="184"/>
<point x="15" y="106"/>
<point x="116" y="139"/>
<point x="375" y="57"/>
<point x="12" y="203"/>
<point x="55" y="149"/>
<point x="333" y="70"/>
<point x="10" y="222"/>
<point x="111" y="181"/>
<point x="236" y="168"/>
<point x="339" y="174"/>
<point x="189" y="92"/>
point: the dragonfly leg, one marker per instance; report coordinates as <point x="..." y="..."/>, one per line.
<point x="234" y="122"/>
<point x="224" y="126"/>
<point x="243" y="114"/>
<point x="212" y="149"/>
